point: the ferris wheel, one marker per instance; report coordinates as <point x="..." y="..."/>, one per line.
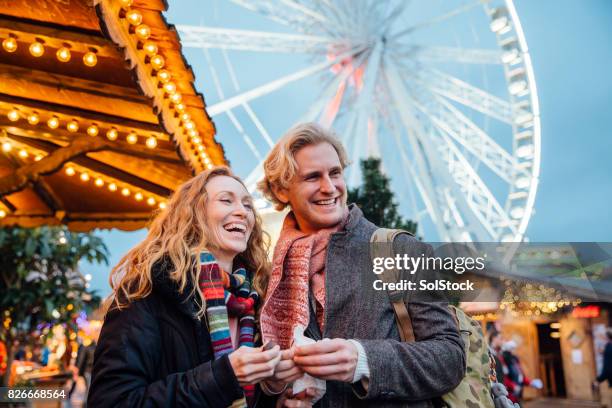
<point x="456" y="123"/>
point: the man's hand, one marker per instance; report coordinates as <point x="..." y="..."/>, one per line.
<point x="287" y="371"/>
<point x="328" y="359"/>
<point x="301" y="400"/>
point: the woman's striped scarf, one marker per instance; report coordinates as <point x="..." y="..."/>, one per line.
<point x="228" y="295"/>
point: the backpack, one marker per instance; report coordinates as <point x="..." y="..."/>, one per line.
<point x="479" y="388"/>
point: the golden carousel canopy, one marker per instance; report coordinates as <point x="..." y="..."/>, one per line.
<point x="99" y="116"/>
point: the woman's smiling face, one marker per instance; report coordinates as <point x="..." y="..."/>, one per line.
<point x="229" y="215"/>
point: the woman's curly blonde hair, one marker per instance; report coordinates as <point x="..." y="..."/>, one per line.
<point x="177" y="233"/>
<point x="280" y="165"/>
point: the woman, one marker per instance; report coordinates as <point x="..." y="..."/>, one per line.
<point x="181" y="321"/>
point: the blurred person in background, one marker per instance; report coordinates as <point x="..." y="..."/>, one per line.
<point x="515" y="379"/>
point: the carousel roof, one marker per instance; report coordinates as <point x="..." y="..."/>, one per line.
<point x="99" y="116"/>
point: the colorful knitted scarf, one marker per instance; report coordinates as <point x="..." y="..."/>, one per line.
<point x="228" y="295"/>
<point x="298" y="267"/>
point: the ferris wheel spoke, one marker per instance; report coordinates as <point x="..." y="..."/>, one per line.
<point x="422" y="175"/>
<point x="260" y="127"/>
<point x="248" y="40"/>
<point x="451" y="169"/>
<point x="330" y="99"/>
<point x="436" y="20"/>
<point x="230" y="114"/>
<point x="482" y="202"/>
<point x="272" y="86"/>
<point x="294" y="13"/>
<point x="468" y="95"/>
<point x="453" y="122"/>
<point x="421" y="179"/>
<point x="427" y="53"/>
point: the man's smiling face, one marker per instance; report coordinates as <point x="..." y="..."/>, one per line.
<point x="317" y="194"/>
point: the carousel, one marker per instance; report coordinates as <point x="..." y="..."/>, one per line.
<point x="99" y="116"/>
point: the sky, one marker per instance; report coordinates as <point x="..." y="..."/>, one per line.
<point x="571" y="51"/>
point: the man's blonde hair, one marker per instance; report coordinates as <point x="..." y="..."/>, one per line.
<point x="280" y="166"/>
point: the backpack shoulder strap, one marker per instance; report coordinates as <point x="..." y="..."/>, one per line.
<point x="402" y="316"/>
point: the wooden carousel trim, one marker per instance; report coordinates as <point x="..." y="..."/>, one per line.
<point x="147" y="64"/>
<point x="80" y="222"/>
<point x="44" y="191"/>
<point x="74" y="152"/>
<point x="80" y="41"/>
<point x="75" y="93"/>
<point x="83" y="116"/>
<point x="157" y="154"/>
<point x="46" y="194"/>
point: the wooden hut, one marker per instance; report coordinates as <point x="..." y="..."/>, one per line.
<point x="99" y="116"/>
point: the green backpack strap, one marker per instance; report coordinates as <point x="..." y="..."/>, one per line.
<point x="381" y="246"/>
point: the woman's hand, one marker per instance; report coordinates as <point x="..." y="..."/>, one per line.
<point x="252" y="365"/>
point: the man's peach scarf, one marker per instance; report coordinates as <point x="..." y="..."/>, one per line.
<point x="298" y="264"/>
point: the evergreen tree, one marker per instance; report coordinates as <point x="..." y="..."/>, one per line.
<point x="40" y="281"/>
<point x="375" y="198"/>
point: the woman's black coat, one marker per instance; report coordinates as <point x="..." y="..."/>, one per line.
<point x="156" y="353"/>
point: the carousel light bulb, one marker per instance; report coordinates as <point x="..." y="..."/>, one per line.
<point x="151" y="142"/>
<point x="33" y="118"/>
<point x="157" y="62"/>
<point x="143" y="31"/>
<point x="99" y="182"/>
<point x="138" y="196"/>
<point x="125" y="191"/>
<point x="151" y="201"/>
<point x="90" y="59"/>
<point x="84" y="176"/>
<point x="53" y="122"/>
<point x="38" y="157"/>
<point x="7" y="146"/>
<point x="176" y="98"/>
<point x="70" y="171"/>
<point x="23" y="153"/>
<point x="37" y="49"/>
<point x="9" y="44"/>
<point x="196" y="141"/>
<point x="193" y="133"/>
<point x="132" y="138"/>
<point x="189" y="125"/>
<point x="112" y="134"/>
<point x="209" y="166"/>
<point x="180" y="107"/>
<point x="170" y="87"/>
<point x="72" y="126"/>
<point x="150" y="48"/>
<point x="92" y="130"/>
<point x="162" y="206"/>
<point x="134" y="17"/>
<point x="185" y="117"/>
<point x="201" y="148"/>
<point x="13" y="115"/>
<point x="112" y="187"/>
<point x="164" y="76"/>
<point x="63" y="54"/>
<point x="2" y="213"/>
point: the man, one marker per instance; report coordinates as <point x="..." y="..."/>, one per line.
<point x="495" y="345"/>
<point x="316" y="283"/>
<point x="515" y="379"/>
<point x="606" y="372"/>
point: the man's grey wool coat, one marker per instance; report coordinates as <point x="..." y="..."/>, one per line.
<point x="401" y="374"/>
